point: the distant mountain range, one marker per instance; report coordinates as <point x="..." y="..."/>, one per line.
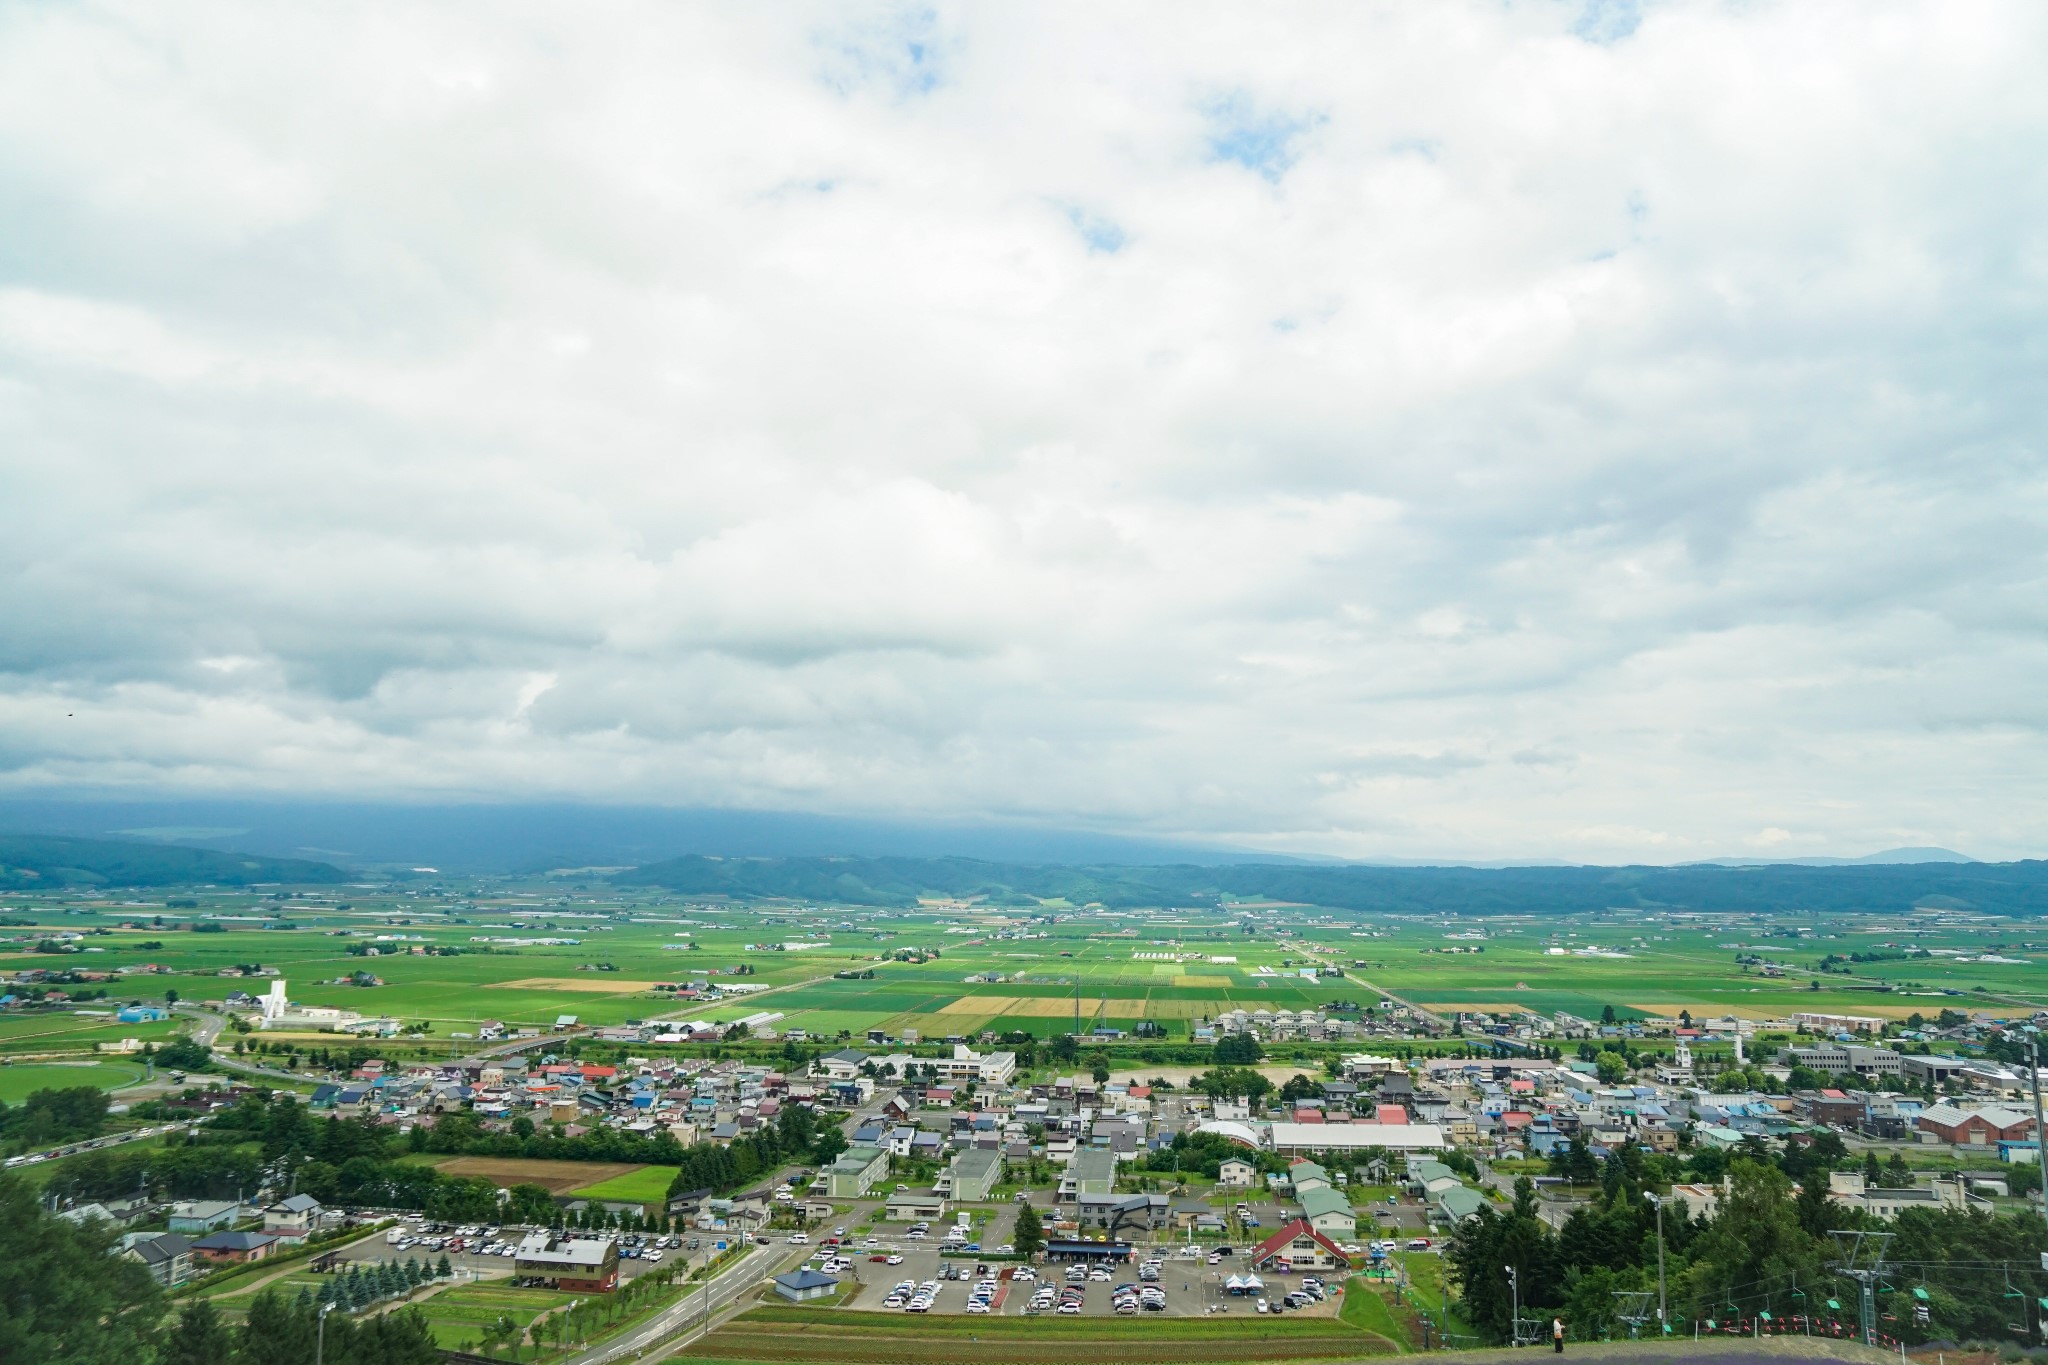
<point x="2011" y="888"/>
<point x="475" y="838"/>
<point x="819" y="860"/>
<point x="35" y="862"/>
<point x="1887" y="857"/>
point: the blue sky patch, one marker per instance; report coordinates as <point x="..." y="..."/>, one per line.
<point x="1258" y="139"/>
<point x="1101" y="234"/>
<point x="904" y="53"/>
<point x="1607" y="21"/>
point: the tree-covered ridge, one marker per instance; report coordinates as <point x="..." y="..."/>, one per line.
<point x="1767" y="1249"/>
<point x="39" y="861"/>
<point x="2010" y="888"/>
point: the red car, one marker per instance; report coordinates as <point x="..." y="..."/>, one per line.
<point x="883" y="1259"/>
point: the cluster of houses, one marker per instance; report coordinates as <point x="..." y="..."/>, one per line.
<point x="206" y="1233"/>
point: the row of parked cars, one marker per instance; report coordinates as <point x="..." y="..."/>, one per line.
<point x="1311" y="1291"/>
<point x="913" y="1297"/>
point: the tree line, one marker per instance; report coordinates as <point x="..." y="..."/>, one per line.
<point x="1767" y="1249"/>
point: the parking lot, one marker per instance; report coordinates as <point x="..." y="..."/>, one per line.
<point x="487" y="1251"/>
<point x="1187" y="1285"/>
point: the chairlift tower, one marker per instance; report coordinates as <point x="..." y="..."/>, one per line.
<point x="1632" y="1306"/>
<point x="1862" y="1260"/>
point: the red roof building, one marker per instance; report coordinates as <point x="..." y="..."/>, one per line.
<point x="1298" y="1246"/>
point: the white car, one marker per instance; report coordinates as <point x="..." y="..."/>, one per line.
<point x="977" y="1305"/>
<point x="654" y="1256"/>
<point x="799" y="1239"/>
<point x="894" y="1260"/>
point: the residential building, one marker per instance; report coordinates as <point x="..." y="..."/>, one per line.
<point x="855" y="1172"/>
<point x="575" y="1265"/>
<point x="167" y="1256"/>
<point x="1236" y="1175"/>
<point x="203" y="1215"/>
<point x="1307" y="1175"/>
<point x="293" y="1219"/>
<point x="1329" y="1211"/>
<point x="1092" y="1171"/>
<point x="973" y="1175"/>
<point x="234" y="1248"/>
<point x="911" y="1206"/>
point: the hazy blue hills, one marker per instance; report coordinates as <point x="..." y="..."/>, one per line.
<point x="463" y="838"/>
<point x="38" y="861"/>
<point x="1890" y="855"/>
<point x="2010" y="888"/>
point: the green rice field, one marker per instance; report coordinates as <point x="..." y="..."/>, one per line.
<point x="648" y="1185"/>
<point x="447" y="963"/>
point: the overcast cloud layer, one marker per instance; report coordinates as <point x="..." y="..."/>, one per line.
<point x="1594" y="432"/>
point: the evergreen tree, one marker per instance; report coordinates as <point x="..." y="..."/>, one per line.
<point x="1030" y="1233"/>
<point x="198" y="1338"/>
<point x="63" y="1297"/>
<point x="273" y="1332"/>
<point x="442" y="1270"/>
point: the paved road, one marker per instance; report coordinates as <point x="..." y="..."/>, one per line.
<point x="64" y="1149"/>
<point x="699" y="1311"/>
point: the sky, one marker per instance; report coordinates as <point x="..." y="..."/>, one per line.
<point x="1605" y="431"/>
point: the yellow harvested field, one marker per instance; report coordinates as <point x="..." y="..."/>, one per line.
<point x="597" y="983"/>
<point x="1028" y="1007"/>
<point x="1783" y="1009"/>
<point x="1184" y="1009"/>
<point x="1214" y="983"/>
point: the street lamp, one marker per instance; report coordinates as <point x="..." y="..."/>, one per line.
<point x="1663" y="1325"/>
<point x="320" y="1333"/>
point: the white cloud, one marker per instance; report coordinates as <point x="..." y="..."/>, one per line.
<point x="1462" y="429"/>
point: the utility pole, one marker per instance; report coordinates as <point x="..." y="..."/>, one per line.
<point x="1663" y="1322"/>
<point x="2040" y="1131"/>
<point x="320" y="1333"/>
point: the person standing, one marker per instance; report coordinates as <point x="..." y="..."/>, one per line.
<point x="1557" y="1335"/>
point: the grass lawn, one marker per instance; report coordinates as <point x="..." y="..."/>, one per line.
<point x="23" y="1079"/>
<point x="462" y="1313"/>
<point x="1367" y="1311"/>
<point x="648" y="1185"/>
